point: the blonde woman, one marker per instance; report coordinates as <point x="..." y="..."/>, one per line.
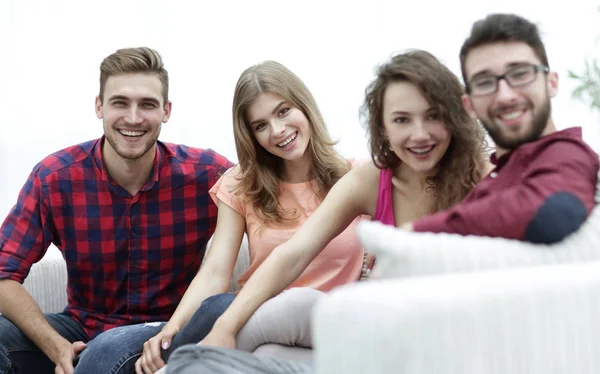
<point x="287" y="164"/>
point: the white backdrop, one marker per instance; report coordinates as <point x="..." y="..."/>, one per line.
<point x="50" y="53"/>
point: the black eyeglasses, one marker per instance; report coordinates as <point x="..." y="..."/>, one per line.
<point x="518" y="76"/>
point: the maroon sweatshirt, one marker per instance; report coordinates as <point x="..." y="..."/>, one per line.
<point x="540" y="192"/>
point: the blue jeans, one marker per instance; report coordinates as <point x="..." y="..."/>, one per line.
<point x="201" y="322"/>
<point x="19" y="355"/>
<point x="113" y="351"/>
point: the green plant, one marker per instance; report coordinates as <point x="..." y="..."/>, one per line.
<point x="588" y="89"/>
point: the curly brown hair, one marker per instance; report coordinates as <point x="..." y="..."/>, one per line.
<point x="463" y="164"/>
<point x="261" y="170"/>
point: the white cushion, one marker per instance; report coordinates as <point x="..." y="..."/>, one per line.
<point x="401" y="253"/>
<point x="47" y="283"/>
<point x="537" y="320"/>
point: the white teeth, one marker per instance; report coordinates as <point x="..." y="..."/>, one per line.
<point x="288" y="140"/>
<point x="511" y="115"/>
<point x="132" y="133"/>
<point x="422" y="150"/>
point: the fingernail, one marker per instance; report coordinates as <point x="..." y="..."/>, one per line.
<point x="165" y="345"/>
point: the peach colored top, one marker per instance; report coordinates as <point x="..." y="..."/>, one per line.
<point x="339" y="263"/>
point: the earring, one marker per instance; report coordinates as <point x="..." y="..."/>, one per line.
<point x="387" y="140"/>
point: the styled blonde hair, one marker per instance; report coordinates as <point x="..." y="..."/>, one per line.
<point x="261" y="170"/>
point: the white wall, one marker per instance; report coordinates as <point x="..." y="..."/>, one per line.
<point x="50" y="52"/>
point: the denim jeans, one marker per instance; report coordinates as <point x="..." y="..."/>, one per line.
<point x="201" y="322"/>
<point x="19" y="355"/>
<point x="114" y="351"/>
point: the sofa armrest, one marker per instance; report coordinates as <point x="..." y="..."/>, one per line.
<point x="535" y="320"/>
<point x="47" y="283"/>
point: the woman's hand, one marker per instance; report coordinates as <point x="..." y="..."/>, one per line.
<point x="219" y="338"/>
<point x="150" y="360"/>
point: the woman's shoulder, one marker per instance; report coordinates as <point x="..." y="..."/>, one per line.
<point x="230" y="179"/>
<point x="233" y="174"/>
<point x="358" y="161"/>
<point x="363" y="172"/>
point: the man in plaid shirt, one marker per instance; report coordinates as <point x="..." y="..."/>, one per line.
<point x="131" y="216"/>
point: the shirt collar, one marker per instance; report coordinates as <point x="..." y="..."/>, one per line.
<point x="158" y="159"/>
<point x="569" y="132"/>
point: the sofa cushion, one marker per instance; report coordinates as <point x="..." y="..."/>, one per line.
<point x="401" y="253"/>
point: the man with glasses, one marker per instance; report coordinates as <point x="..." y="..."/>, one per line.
<point x="543" y="186"/>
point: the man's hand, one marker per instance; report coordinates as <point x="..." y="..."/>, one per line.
<point x="219" y="338"/>
<point x="64" y="363"/>
<point x="150" y="361"/>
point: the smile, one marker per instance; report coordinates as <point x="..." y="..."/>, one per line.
<point x="131" y="134"/>
<point x="421" y="150"/>
<point x="288" y="140"/>
<point x="511" y="116"/>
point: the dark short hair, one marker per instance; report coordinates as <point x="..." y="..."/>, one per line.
<point x="503" y="28"/>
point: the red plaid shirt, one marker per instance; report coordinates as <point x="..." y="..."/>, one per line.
<point x="129" y="258"/>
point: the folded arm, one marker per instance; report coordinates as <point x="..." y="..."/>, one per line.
<point x="551" y="201"/>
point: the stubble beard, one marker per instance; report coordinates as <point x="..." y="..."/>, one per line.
<point x="538" y="124"/>
<point x="128" y="156"/>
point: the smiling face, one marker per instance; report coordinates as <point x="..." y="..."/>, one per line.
<point x="414" y="128"/>
<point x="132" y="113"/>
<point x="511" y="115"/>
<point x="279" y="127"/>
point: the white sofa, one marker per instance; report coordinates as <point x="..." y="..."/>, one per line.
<point x="537" y="320"/>
<point x="466" y="305"/>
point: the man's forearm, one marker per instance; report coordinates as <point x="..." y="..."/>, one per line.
<point x="17" y="305"/>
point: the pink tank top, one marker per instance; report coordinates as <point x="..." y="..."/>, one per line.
<point x="384" y="212"/>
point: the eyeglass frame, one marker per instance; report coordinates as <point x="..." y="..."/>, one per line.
<point x="536" y="69"/>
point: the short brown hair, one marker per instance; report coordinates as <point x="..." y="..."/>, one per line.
<point x="463" y="164"/>
<point x="497" y="28"/>
<point x="134" y="60"/>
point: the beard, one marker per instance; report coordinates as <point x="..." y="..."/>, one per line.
<point x="538" y="124"/>
<point x="129" y="155"/>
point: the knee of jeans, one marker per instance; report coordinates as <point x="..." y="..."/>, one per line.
<point x="221" y="300"/>
<point x="205" y="316"/>
<point x="109" y="350"/>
